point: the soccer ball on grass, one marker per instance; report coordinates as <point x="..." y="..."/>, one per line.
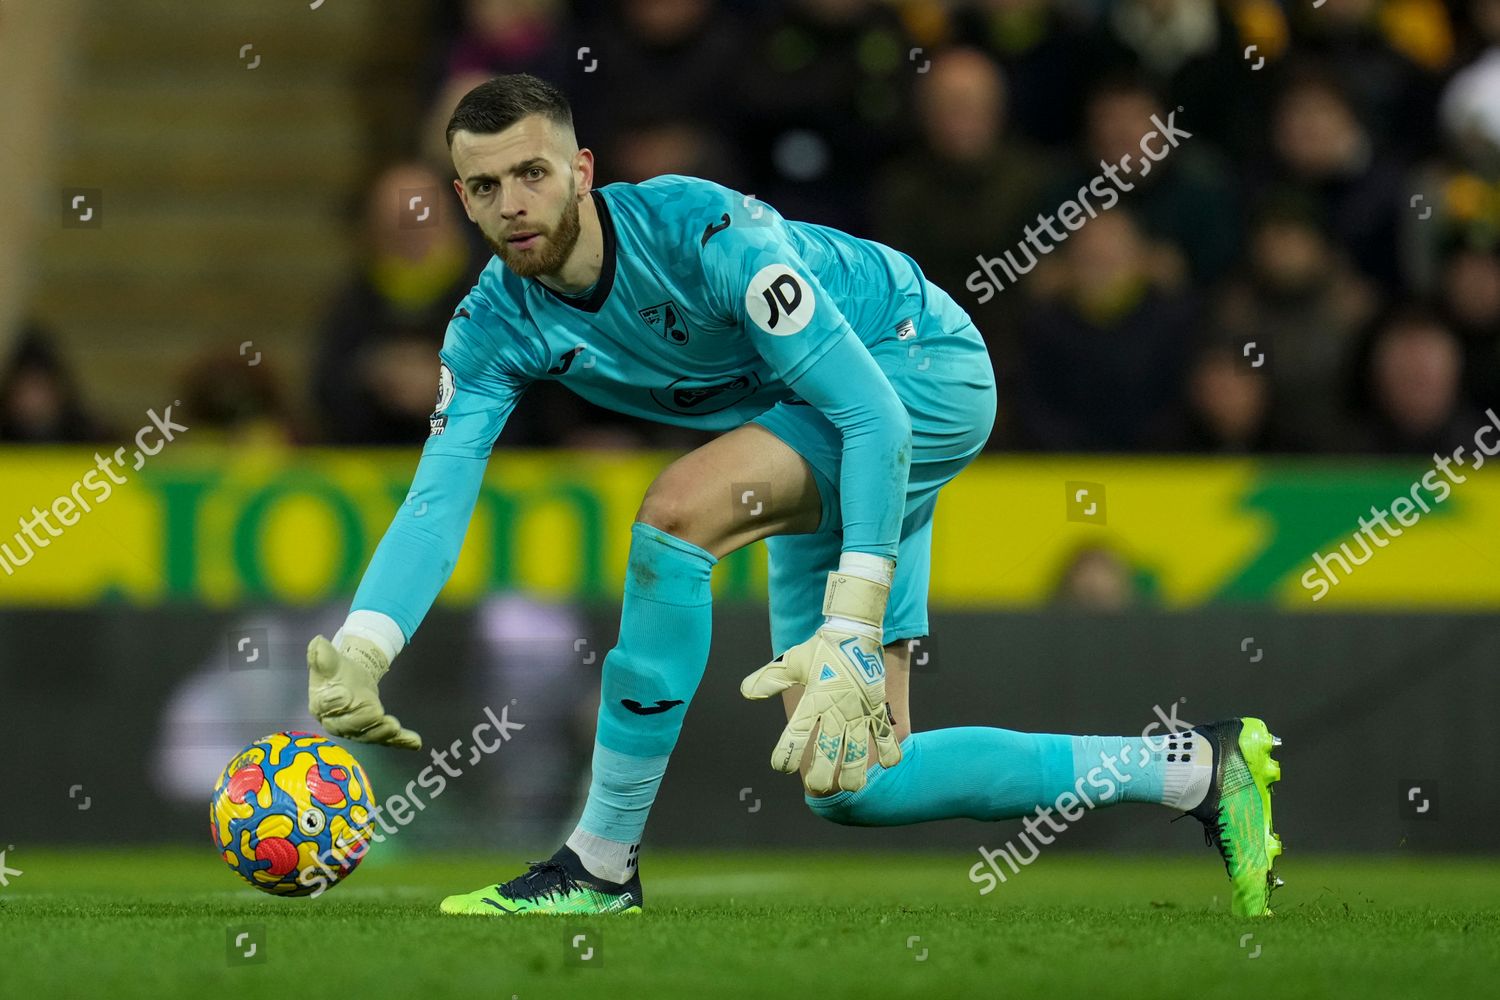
<point x="291" y="814"/>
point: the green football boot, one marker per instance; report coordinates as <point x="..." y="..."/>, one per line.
<point x="1236" y="812"/>
<point x="560" y="885"/>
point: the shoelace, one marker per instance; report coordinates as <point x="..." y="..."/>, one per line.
<point x="1213" y="836"/>
<point x="530" y="886"/>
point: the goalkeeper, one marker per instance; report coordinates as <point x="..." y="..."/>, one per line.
<point x="850" y="390"/>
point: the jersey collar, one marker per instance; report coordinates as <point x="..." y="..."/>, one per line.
<point x="594" y="301"/>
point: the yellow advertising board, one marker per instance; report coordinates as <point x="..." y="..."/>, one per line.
<point x="223" y="527"/>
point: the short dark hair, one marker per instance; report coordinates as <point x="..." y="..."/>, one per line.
<point x="497" y="104"/>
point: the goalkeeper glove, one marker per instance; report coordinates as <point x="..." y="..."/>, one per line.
<point x="342" y="692"/>
<point x="843" y="668"/>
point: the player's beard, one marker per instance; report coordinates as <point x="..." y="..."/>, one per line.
<point x="553" y="245"/>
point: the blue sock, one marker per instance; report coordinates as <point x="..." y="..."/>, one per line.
<point x="648" y="680"/>
<point x="993" y="774"/>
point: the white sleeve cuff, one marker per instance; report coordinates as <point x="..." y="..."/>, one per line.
<point x="375" y="627"/>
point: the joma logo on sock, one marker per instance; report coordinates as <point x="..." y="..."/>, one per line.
<point x="662" y="704"/>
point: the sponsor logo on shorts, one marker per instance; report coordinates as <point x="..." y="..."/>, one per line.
<point x="694" y="395"/>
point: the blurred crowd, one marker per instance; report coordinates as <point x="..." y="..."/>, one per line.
<point x="1314" y="268"/>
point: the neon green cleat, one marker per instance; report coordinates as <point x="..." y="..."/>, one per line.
<point x="1236" y="812"/>
<point x="560" y="885"/>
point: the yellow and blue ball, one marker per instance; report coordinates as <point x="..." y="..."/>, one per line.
<point x="291" y="814"/>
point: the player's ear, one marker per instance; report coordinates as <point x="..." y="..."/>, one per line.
<point x="583" y="171"/>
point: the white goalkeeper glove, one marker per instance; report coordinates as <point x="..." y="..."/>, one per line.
<point x="342" y="692"/>
<point x="843" y="669"/>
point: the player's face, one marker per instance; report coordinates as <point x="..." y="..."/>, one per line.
<point x="521" y="187"/>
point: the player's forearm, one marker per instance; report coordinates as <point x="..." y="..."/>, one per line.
<point x="418" y="553"/>
<point x="409" y="569"/>
<point x="848" y="387"/>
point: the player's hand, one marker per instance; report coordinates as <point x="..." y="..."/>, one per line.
<point x="342" y="693"/>
<point x="843" y="669"/>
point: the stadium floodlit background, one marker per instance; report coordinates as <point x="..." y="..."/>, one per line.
<point x="229" y="245"/>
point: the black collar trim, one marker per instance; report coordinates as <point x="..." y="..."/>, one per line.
<point x="595" y="300"/>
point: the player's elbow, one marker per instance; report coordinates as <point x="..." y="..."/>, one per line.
<point x="900" y="425"/>
<point x="887" y="413"/>
<point x="895" y="426"/>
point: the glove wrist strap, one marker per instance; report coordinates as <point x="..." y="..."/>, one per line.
<point x="366" y="654"/>
<point x="855" y="599"/>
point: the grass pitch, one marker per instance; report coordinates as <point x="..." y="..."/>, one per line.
<point x="161" y="923"/>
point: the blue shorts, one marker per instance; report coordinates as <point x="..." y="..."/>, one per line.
<point x="942" y="373"/>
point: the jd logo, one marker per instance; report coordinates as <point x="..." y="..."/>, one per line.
<point x="779" y="300"/>
<point x="662" y="704"/>
<point x="666" y="322"/>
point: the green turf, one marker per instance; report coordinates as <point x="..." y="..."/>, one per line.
<point x="154" y="924"/>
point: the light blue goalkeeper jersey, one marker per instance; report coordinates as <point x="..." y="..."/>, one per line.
<point x="709" y="309"/>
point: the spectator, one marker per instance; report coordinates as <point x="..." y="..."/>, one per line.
<point x="824" y="96"/>
<point x="968" y="187"/>
<point x="39" y="399"/>
<point x="1097" y="579"/>
<point x="1322" y="148"/>
<point x="1036" y="43"/>
<point x="967" y="190"/>
<point x="509" y="36"/>
<point x="1416" y="388"/>
<point x="677" y="60"/>
<point x="1471" y="308"/>
<point x="1102" y="366"/>
<point x="1388" y="56"/>
<point x="393" y="312"/>
<point x="1190" y="51"/>
<point x="225" y="397"/>
<point x="1302" y="305"/>
<point x="1228" y="408"/>
<point x="1188" y="200"/>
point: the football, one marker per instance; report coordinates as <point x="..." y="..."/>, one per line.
<point x="291" y="814"/>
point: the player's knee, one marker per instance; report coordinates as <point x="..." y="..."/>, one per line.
<point x="667" y="509"/>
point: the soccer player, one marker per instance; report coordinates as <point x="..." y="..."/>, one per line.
<point x="847" y="385"/>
